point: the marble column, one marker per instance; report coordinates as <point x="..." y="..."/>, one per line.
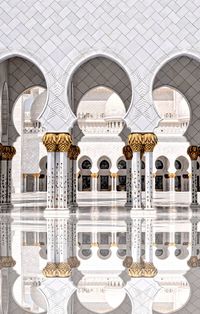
<point x="114" y="177"/>
<point x="135" y="142"/>
<point x="94" y="181"/>
<point x="36" y="181"/>
<point x="6" y="259"/>
<point x="149" y="141"/>
<point x="24" y="182"/>
<point x="127" y="151"/>
<point x="172" y="182"/>
<point x="73" y="154"/>
<point x="193" y="152"/>
<point x="57" y="146"/>
<point x="6" y="153"/>
<point x="194" y="261"/>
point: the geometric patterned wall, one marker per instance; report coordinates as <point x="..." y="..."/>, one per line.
<point x="101" y="72"/>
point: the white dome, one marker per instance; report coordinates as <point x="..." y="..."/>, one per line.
<point x="114" y="107"/>
<point x="38" y="105"/>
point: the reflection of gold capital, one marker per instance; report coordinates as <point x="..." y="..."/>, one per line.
<point x="149" y="270"/>
<point x="193" y="262"/>
<point x="136" y="270"/>
<point x="73" y="262"/>
<point x="52" y="270"/>
<point x="135" y="141"/>
<point x="127" y="151"/>
<point x="149" y="141"/>
<point x="73" y="152"/>
<point x="193" y="152"/>
<point x="7" y="262"/>
<point x="128" y="261"/>
<point x="8" y="152"/>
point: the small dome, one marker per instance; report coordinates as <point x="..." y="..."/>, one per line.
<point x="38" y="106"/>
<point x="114" y="107"/>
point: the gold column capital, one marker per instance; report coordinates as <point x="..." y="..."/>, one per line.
<point x="135" y="141"/>
<point x="172" y="175"/>
<point x="57" y="142"/>
<point x="7" y="152"/>
<point x="114" y="175"/>
<point x="94" y="175"/>
<point x="193" y="151"/>
<point x="73" y="152"/>
<point x="149" y="141"/>
<point x="127" y="151"/>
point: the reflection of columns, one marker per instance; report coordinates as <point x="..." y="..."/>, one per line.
<point x="6" y="259"/>
<point x="24" y="182"/>
<point x="172" y="182"/>
<point x="127" y="151"/>
<point x="193" y="261"/>
<point x="149" y="141"/>
<point x="149" y="270"/>
<point x="135" y="142"/>
<point x="94" y="177"/>
<point x="57" y="146"/>
<point x="73" y="153"/>
<point x="6" y="153"/>
<point x="136" y="267"/>
<point x="193" y="152"/>
<point x="113" y="177"/>
<point x="72" y="246"/>
<point x="128" y="259"/>
<point x="57" y="265"/>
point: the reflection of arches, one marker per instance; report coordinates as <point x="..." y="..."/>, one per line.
<point x="104" y="175"/>
<point x="43" y="174"/>
<point x="99" y="71"/>
<point x="182" y="176"/>
<point x="162" y="174"/>
<point x="84" y="177"/>
<point x="121" y="174"/>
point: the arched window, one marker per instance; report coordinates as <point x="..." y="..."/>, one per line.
<point x="104" y="164"/>
<point x="159" y="164"/>
<point x="86" y="164"/>
<point x="177" y="164"/>
<point x="121" y="164"/>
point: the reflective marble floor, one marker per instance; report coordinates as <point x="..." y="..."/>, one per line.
<point x="101" y="244"/>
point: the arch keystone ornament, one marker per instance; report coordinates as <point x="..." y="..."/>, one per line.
<point x="194" y="152"/>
